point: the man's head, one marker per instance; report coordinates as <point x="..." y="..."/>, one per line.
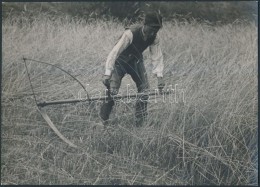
<point x="153" y="19"/>
<point x="152" y="24"/>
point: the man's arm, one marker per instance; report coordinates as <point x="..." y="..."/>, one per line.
<point x="121" y="45"/>
<point x="156" y="57"/>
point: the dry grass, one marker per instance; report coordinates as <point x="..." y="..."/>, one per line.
<point x="211" y="138"/>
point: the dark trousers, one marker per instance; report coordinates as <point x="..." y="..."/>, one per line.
<point x="135" y="68"/>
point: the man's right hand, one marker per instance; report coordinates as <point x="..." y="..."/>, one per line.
<point x="106" y="80"/>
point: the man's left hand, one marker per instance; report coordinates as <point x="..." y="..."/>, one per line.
<point x="161" y="83"/>
<point x="106" y="80"/>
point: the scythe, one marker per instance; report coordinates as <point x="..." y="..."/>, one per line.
<point x="42" y="111"/>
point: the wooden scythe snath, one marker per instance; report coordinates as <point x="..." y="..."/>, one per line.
<point x="42" y="111"/>
<point x="104" y="98"/>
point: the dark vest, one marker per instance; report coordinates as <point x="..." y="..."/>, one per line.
<point x="138" y="45"/>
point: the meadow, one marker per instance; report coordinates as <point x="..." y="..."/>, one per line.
<point x="210" y="137"/>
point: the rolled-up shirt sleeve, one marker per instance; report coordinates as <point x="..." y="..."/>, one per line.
<point x="156" y="57"/>
<point x="121" y="45"/>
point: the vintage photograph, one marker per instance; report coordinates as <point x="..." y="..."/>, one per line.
<point x="129" y="93"/>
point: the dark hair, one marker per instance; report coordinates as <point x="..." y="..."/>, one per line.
<point x="153" y="19"/>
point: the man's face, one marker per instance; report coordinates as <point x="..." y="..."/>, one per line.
<point x="149" y="31"/>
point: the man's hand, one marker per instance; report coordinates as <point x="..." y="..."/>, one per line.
<point x="161" y="83"/>
<point x="106" y="80"/>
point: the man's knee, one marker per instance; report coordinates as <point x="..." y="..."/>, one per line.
<point x="143" y="87"/>
<point x="114" y="91"/>
<point x="144" y="93"/>
<point x="115" y="83"/>
<point x="106" y="108"/>
<point x="144" y="97"/>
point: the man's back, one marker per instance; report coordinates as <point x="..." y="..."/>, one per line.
<point x="138" y="44"/>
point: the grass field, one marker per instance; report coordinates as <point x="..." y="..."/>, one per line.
<point x="209" y="138"/>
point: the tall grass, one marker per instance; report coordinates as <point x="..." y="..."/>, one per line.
<point x="210" y="138"/>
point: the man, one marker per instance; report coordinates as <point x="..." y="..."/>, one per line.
<point x="126" y="58"/>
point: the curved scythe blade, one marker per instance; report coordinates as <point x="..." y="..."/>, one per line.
<point x="42" y="111"/>
<point x="52" y="126"/>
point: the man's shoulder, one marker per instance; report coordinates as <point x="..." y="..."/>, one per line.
<point x="134" y="27"/>
<point x="156" y="40"/>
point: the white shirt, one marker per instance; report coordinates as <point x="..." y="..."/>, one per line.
<point x="126" y="39"/>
